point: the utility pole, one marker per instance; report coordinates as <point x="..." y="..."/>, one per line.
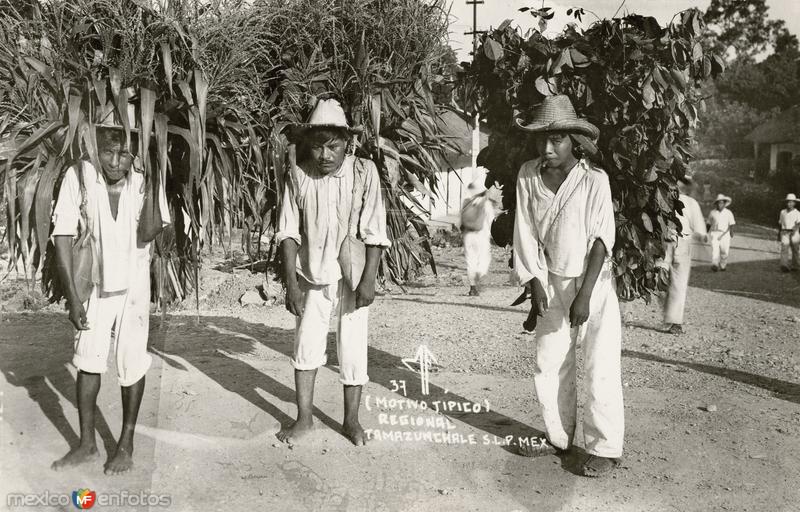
<point x="476" y="130"/>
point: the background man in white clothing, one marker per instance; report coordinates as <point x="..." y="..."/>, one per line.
<point x="678" y="255"/>
<point x="789" y="235"/>
<point x="720" y="224"/>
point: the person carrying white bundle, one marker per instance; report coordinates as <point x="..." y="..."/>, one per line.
<point x="476" y="225"/>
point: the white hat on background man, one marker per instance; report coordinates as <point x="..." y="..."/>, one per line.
<point x="725" y="199"/>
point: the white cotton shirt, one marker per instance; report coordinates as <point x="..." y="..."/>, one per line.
<point x="316" y="210"/>
<point x="116" y="250"/>
<point x="720" y="220"/>
<point x="789" y="219"/>
<point x="553" y="232"/>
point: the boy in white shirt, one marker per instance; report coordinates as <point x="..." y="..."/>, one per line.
<point x="720" y="224"/>
<point x="117" y="312"/>
<point x="789" y="234"/>
<point x="564" y="235"/>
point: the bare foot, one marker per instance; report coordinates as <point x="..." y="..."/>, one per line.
<point x="75" y="457"/>
<point x="354" y="432"/>
<point x="296" y="431"/>
<point x="121" y="462"/>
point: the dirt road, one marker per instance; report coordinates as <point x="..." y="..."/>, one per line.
<point x="712" y="417"/>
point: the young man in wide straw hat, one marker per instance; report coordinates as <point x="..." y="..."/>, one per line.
<point x="678" y="255"/>
<point x="563" y="237"/>
<point x="329" y="195"/>
<point x="789" y="235"/>
<point x="720" y="224"/>
<point x="118" y="309"/>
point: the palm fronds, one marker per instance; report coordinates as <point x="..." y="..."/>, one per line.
<point x="213" y="85"/>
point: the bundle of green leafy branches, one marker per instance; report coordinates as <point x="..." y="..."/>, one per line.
<point x="638" y="82"/>
<point x="215" y="84"/>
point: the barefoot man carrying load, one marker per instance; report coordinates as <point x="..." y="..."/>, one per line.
<point x="563" y="237"/>
<point x="107" y="203"/>
<point x="332" y="228"/>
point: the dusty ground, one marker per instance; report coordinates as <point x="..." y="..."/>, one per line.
<point x="221" y="385"/>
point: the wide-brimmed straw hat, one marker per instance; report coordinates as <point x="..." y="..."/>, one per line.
<point x="328" y="113"/>
<point x="790" y="197"/>
<point x="556" y="113"/>
<point x="725" y="199"/>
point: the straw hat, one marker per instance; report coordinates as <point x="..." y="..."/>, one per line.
<point x="790" y="197"/>
<point x="556" y="113"/>
<point x="725" y="199"/>
<point x="328" y="114"/>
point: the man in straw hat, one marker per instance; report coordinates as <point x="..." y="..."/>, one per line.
<point x="476" y="225"/>
<point x="720" y="224"/>
<point x="118" y="308"/>
<point x="789" y="234"/>
<point x="563" y="237"/>
<point x="323" y="192"/>
<point x="678" y="255"/>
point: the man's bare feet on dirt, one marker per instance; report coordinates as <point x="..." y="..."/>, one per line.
<point x="295" y="432"/>
<point x="354" y="432"/>
<point x="121" y="462"/>
<point x="473" y="291"/>
<point x="75" y="457"/>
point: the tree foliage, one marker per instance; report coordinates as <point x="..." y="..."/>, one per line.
<point x="724" y="125"/>
<point x="744" y="26"/>
<point x="638" y="82"/>
<point x="771" y="83"/>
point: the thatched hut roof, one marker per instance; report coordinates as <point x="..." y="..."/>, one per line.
<point x="785" y="127"/>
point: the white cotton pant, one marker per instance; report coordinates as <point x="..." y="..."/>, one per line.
<point x="555" y="374"/>
<point x="121" y="319"/>
<point x="311" y="331"/>
<point x="678" y="259"/>
<point x="790" y="248"/>
<point x="477" y="252"/>
<point x="720" y="248"/>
